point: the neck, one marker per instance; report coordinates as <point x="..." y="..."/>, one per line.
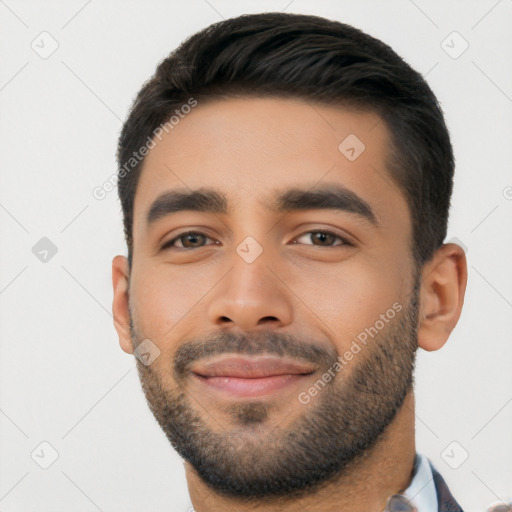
<point x="365" y="484"/>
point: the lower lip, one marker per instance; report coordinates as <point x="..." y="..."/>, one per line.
<point x="251" y="387"/>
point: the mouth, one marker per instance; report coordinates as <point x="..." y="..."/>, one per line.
<point x="245" y="377"/>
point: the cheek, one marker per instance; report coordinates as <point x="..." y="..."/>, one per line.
<point x="350" y="297"/>
<point x="167" y="299"/>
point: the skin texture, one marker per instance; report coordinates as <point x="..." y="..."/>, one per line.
<point x="311" y="298"/>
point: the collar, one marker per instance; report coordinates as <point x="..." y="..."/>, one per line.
<point x="422" y="490"/>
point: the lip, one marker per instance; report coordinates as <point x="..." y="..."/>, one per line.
<point x="241" y="376"/>
<point x="252" y="368"/>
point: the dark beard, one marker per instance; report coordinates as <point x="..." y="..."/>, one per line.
<point x="342" y="423"/>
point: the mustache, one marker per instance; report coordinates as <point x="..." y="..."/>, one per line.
<point x="262" y="342"/>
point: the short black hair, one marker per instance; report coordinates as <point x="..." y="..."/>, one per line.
<point x="316" y="59"/>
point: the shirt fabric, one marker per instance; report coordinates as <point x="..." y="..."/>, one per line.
<point x="422" y="491"/>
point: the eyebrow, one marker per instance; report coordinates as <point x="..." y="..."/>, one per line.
<point x="329" y="196"/>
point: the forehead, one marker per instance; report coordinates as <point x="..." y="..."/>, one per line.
<point x="251" y="148"/>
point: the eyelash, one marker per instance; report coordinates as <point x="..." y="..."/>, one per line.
<point x="169" y="244"/>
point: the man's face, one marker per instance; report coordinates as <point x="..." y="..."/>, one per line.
<point x="260" y="278"/>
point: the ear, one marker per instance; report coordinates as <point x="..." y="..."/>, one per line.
<point x="120" y="304"/>
<point x="443" y="287"/>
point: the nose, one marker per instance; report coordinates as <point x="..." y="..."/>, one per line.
<point x="251" y="296"/>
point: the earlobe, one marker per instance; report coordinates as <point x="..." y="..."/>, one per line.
<point x="442" y="292"/>
<point x="120" y="304"/>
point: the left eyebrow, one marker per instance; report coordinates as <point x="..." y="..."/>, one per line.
<point x="331" y="196"/>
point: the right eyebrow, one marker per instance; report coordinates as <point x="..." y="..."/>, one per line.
<point x="201" y="200"/>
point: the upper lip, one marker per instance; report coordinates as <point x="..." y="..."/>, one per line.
<point x="252" y="368"/>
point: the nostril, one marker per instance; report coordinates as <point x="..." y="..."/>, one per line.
<point x="268" y="319"/>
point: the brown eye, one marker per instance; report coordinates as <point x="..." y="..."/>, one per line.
<point x="188" y="240"/>
<point x="323" y="239"/>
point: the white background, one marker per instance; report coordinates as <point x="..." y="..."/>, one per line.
<point x="63" y="377"/>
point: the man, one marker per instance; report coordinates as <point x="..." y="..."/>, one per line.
<point x="285" y="183"/>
